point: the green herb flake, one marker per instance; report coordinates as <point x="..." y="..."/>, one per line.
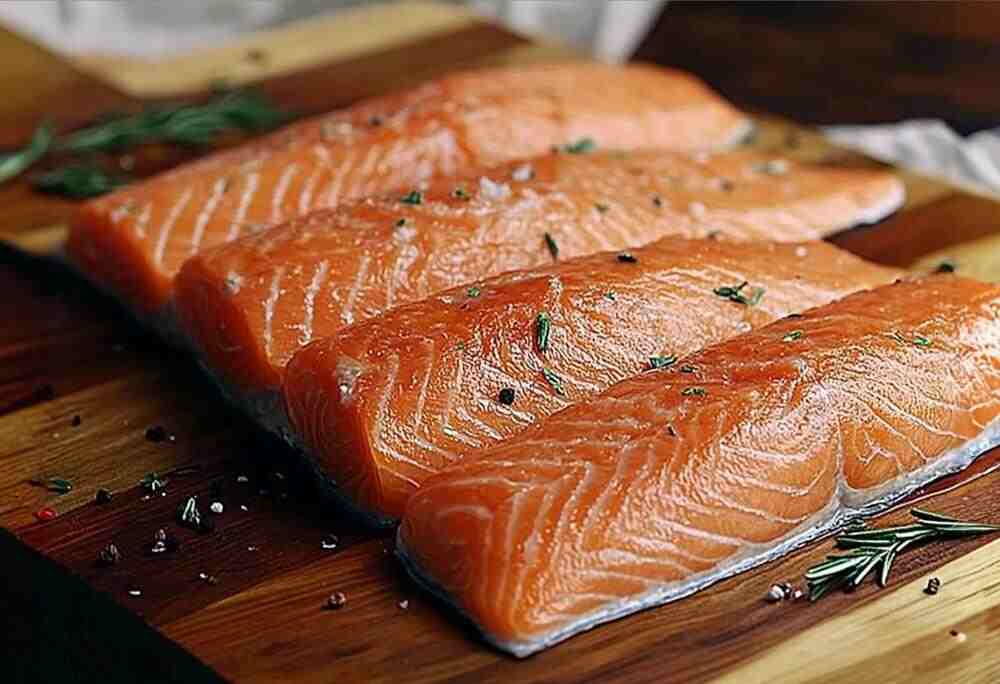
<point x="627" y="258"/>
<point x="459" y="193"/>
<point x="688" y="369"/>
<point x="694" y="392"/>
<point x="412" y="197"/>
<point x="656" y="362"/>
<point x="735" y="294"/>
<point x="543" y="325"/>
<point x="554" y="381"/>
<point x="402" y="222"/>
<point x="473" y="292"/>
<point x="553" y="246"/>
<point x="611" y="296"/>
<point x="15" y="164"/>
<point x="792" y="336"/>
<point x="581" y="146"/>
<point x="946" y="266"/>
<point x="917" y="340"/>
<point x="58" y="485"/>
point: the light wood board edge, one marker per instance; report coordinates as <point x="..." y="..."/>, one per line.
<point x="324" y="39"/>
<point x="907" y="623"/>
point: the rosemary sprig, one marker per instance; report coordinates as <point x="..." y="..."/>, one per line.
<point x="735" y="294"/>
<point x="868" y="550"/>
<point x="15" y="164"/>
<point x="191" y="125"/>
<point x="78" y="181"/>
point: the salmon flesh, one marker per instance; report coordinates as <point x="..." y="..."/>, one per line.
<point x="385" y="404"/>
<point x="669" y="481"/>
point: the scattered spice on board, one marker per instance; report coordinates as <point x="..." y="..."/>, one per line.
<point x="735" y="294"/>
<point x="694" y="392"/>
<point x="208" y="579"/>
<point x="933" y="586"/>
<point x="657" y="201"/>
<point x="46" y="514"/>
<point x="404" y="604"/>
<point x="792" y="336"/>
<point x="958" y="636"/>
<point x="688" y="369"/>
<point x="135" y="592"/>
<point x="581" y="146"/>
<point x="329" y="542"/>
<point x="242" y="479"/>
<point x="102" y="497"/>
<point x="627" y="258"/>
<point x="109" y="555"/>
<point x="188" y="513"/>
<point x="412" y="197"/>
<point x="76" y="421"/>
<point x="216" y="507"/>
<point x="779" y="592"/>
<point x="671" y="431"/>
<point x="156" y="434"/>
<point x="57" y="485"/>
<point x="336" y="601"/>
<point x="506" y="396"/>
<point x="945" y="266"/>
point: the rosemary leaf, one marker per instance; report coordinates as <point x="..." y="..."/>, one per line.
<point x="543" y="325"/>
<point x="662" y="361"/>
<point x="554" y="381"/>
<point x="78" y="181"/>
<point x="15" y="164"/>
<point x="550" y="242"/>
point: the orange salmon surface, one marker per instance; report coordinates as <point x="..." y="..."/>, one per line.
<point x="133" y="241"/>
<point x="387" y="403"/>
<point x="672" y="480"/>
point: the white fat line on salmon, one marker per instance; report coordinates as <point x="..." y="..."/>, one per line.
<point x="309" y="302"/>
<point x="269" y="303"/>
<point x="347" y="313"/>
<point x="343" y="168"/>
<point x="280" y="189"/>
<point x="143" y="219"/>
<point x="253" y="179"/>
<point x="218" y="190"/>
<point x="168" y="225"/>
<point x="305" y="197"/>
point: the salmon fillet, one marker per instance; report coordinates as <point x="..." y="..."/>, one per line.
<point x="132" y="242"/>
<point x="250" y="305"/>
<point x="387" y="403"/>
<point x="670" y="481"/>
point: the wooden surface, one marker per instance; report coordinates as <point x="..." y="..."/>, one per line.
<point x="66" y="351"/>
<point x="836" y="62"/>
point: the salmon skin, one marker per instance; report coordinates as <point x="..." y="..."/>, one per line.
<point x="132" y="242"/>
<point x="387" y="403"/>
<point x="670" y="481"/>
<point x="249" y="306"/>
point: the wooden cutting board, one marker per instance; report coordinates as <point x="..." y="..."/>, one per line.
<point x="80" y="386"/>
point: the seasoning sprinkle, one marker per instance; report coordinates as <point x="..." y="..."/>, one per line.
<point x="460" y="193"/>
<point x="412" y="197"/>
<point x="735" y="294"/>
<point x="523" y="173"/>
<point x="657" y="201"/>
<point x="404" y="604"/>
<point x="581" y="146"/>
<point x="689" y="369"/>
<point x="694" y="392"/>
<point x="109" y="555"/>
<point x="933" y="586"/>
<point x="402" y="222"/>
<point x="375" y="121"/>
<point x="102" y="497"/>
<point x="156" y="434"/>
<point x="46" y="514"/>
<point x="917" y="341"/>
<point x="627" y="258"/>
<point x="242" y="479"/>
<point x="792" y="336"/>
<point x="611" y="296"/>
<point x="543" y="326"/>
<point x="671" y="431"/>
<point x="329" y="542"/>
<point x="336" y="600"/>
<point x="473" y="292"/>
<point x="662" y="361"/>
<point x="550" y="242"/>
<point x="153" y="482"/>
<point x="217" y="507"/>
<point x="188" y="513"/>
<point x="554" y="381"/>
<point x="601" y="207"/>
<point x="135" y="592"/>
<point x="946" y="266"/>
<point x="506" y="396"/>
<point x="58" y="485"/>
<point x="76" y="421"/>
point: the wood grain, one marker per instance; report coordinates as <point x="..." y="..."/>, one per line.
<point x="67" y="351"/>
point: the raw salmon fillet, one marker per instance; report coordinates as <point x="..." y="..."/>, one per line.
<point x="669" y="481"/>
<point x="387" y="403"/>
<point x="132" y="242"/>
<point x="248" y="306"/>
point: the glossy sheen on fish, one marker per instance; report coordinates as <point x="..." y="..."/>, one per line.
<point x="133" y="241"/>
<point x="385" y="404"/>
<point x="250" y="305"/>
<point x="669" y="481"/>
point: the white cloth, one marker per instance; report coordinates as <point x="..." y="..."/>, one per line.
<point x="930" y="147"/>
